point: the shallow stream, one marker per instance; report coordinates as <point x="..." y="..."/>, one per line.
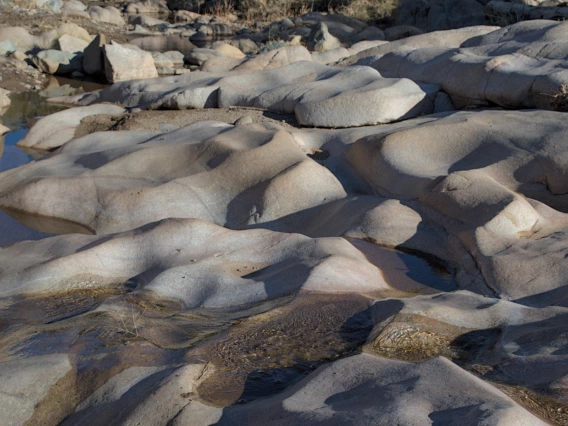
<point x="25" y="109"/>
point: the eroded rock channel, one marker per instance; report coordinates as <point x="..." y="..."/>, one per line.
<point x="315" y="221"/>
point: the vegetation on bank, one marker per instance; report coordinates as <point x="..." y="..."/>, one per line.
<point x="266" y="10"/>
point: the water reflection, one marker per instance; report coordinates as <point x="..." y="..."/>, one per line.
<point x="407" y="272"/>
<point x="12" y="231"/>
<point x="61" y="86"/>
<point x="25" y="107"/>
<point x="10" y="155"/>
<point x="24" y="110"/>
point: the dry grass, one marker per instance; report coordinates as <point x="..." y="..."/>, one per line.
<point x="369" y="10"/>
<point x="222" y="8"/>
<point x="504" y="19"/>
<point x="274" y="10"/>
<point x="126" y="324"/>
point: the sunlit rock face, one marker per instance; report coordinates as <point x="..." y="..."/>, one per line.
<point x="318" y="95"/>
<point x="462" y="179"/>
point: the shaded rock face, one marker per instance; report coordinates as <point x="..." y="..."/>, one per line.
<point x="366" y="379"/>
<point x="436" y="15"/>
<point x="58" y="62"/>
<point x="93" y="58"/>
<point x="505" y="13"/>
<point x="481" y="334"/>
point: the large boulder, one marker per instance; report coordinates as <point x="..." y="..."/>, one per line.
<point x="521" y="66"/>
<point x="144" y="20"/>
<point x="382" y="101"/>
<point x="148" y="7"/>
<point x="75" y="8"/>
<point x="512" y="81"/>
<point x="536" y="39"/>
<point x="75" y="5"/>
<point x="172" y="258"/>
<point x="58" y="62"/>
<point x="57" y="129"/>
<point x="260" y="167"/>
<point x="321" y="40"/>
<point x="269" y="59"/>
<point x="71" y="44"/>
<point x="127" y="62"/>
<point x="227" y="49"/>
<point x="109" y="14"/>
<point x="276" y="58"/>
<point x="49" y="39"/>
<point x="7" y="47"/>
<point x="473" y="194"/>
<point x="18" y="36"/>
<point x="447" y="39"/>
